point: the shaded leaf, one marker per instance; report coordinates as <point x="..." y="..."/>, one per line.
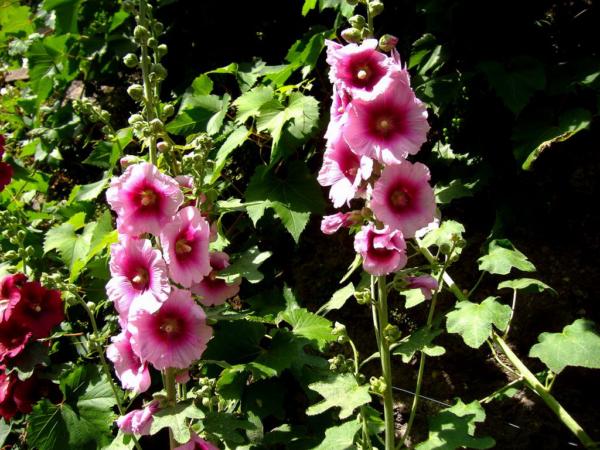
<point x="246" y="266"/>
<point x="419" y="340"/>
<point x="309" y="325"/>
<point x="338" y="299"/>
<point x="340" y="437"/>
<point x="175" y="418"/>
<point x="340" y="390"/>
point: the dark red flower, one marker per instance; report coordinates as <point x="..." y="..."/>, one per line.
<point x="8" y="408"/>
<point x="10" y="293"/>
<point x="39" y="309"/>
<point x="13" y="338"/>
<point x="20" y="396"/>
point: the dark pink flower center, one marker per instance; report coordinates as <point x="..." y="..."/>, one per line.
<point x="400" y="198"/>
<point x="385" y="122"/>
<point x="171" y="327"/>
<point x="364" y="70"/>
<point x="140" y="279"/>
<point x="183" y="247"/>
<point x="148" y="197"/>
<point x="377" y="253"/>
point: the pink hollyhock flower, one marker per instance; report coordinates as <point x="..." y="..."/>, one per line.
<point x="10" y="294"/>
<point x="13" y="338"/>
<point x="403" y="199"/>
<point x="138" y="421"/>
<point x="144" y="199"/>
<point x="39" y="309"/>
<point x="174" y="336"/>
<point x="360" y="69"/>
<point x="344" y="171"/>
<point x="390" y="126"/>
<point x="185" y="245"/>
<point x="383" y="250"/>
<point x="426" y="283"/>
<point x="132" y="372"/>
<point x="139" y="274"/>
<point x="197" y="443"/>
<point x="338" y="111"/>
<point x="330" y="224"/>
<point x="212" y="290"/>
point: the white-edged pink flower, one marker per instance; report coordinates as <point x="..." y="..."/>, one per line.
<point x="185" y="245"/>
<point x="174" y="336"/>
<point x="360" y="69"/>
<point x="426" y="283"/>
<point x="340" y="101"/>
<point x="213" y="290"/>
<point x="383" y="250"/>
<point x="132" y="372"/>
<point x="144" y="199"/>
<point x="403" y="199"/>
<point x="344" y="171"/>
<point x="390" y="126"/>
<point x="139" y="275"/>
<point x="197" y="443"/>
<point x="330" y="224"/>
<point x="138" y="421"/>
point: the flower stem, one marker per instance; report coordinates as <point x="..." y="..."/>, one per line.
<point x="524" y="372"/>
<point x="386" y="365"/>
<point x="171" y="388"/>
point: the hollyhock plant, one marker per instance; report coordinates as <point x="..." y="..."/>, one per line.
<point x="139" y="274"/>
<point x="383" y="250"/>
<point x="344" y="171"/>
<point x="426" y="283"/>
<point x="390" y="126"/>
<point x="10" y="294"/>
<point x="13" y="339"/>
<point x="8" y="408"/>
<point x="132" y="372"/>
<point x="138" y="421"/>
<point x="213" y="290"/>
<point x="185" y="244"/>
<point x="174" y="336"/>
<point x="197" y="443"/>
<point x="144" y="199"/>
<point x="403" y="199"/>
<point x="360" y="69"/>
<point x="39" y="309"/>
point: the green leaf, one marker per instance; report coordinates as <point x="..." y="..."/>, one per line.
<point x="292" y="198"/>
<point x="474" y="321"/>
<point x="413" y="297"/>
<point x="195" y="115"/>
<point x="4" y="431"/>
<point x="537" y="135"/>
<point x="14" y="19"/>
<point x="338" y="299"/>
<point x="174" y="417"/>
<point x="445" y="193"/>
<point x="515" y="85"/>
<point x="419" y="340"/>
<point x="82" y="421"/>
<point x="121" y="442"/>
<point x="246" y="266"/>
<point x="106" y="154"/>
<point x="577" y="345"/>
<point x="88" y="192"/>
<point x="287" y="352"/>
<point x="444" y="236"/>
<point x="309" y="325"/>
<point x="502" y="257"/>
<point x="527" y="285"/>
<point x="308" y="5"/>
<point x="339" y="390"/>
<point x="454" y="428"/>
<point x="225" y="427"/>
<point x="340" y="437"/>
<point x="49" y="60"/>
<point x="250" y="103"/>
<point x="233" y="141"/>
<point x="66" y="14"/>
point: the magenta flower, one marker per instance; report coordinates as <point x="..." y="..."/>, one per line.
<point x="426" y="283"/>
<point x="132" y="372"/>
<point x="144" y="199"/>
<point x="340" y="101"/>
<point x="330" y="224"/>
<point x="383" y="250"/>
<point x="10" y="294"/>
<point x="212" y="290"/>
<point x="174" y="336"/>
<point x="403" y="199"/>
<point x="389" y="127"/>
<point x="360" y="69"/>
<point x="197" y="443"/>
<point x="138" y="421"/>
<point x="185" y="244"/>
<point x="139" y="275"/>
<point x="344" y="171"/>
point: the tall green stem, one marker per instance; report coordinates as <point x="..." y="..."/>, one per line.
<point x="171" y="388"/>
<point x="148" y="91"/>
<point x="386" y="365"/>
<point x="524" y="372"/>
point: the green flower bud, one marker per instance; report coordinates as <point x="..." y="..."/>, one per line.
<point x="352" y="2"/>
<point x="161" y="50"/>
<point x="29" y="251"/>
<point x="363" y="297"/>
<point x="21" y="235"/>
<point x="351" y="35"/>
<point x="128" y="6"/>
<point x="357" y="22"/>
<point x="378" y="385"/>
<point x="141" y="35"/>
<point x="375" y="7"/>
<point x="168" y="110"/>
<point x="11" y="254"/>
<point x="131" y="60"/>
<point x="156" y="125"/>
<point x="391" y="333"/>
<point x="387" y="42"/>
<point x="135" y="118"/>
<point x="152" y="42"/>
<point x="206" y="402"/>
<point x="136" y="92"/>
<point x="104" y="116"/>
<point x="158" y="27"/>
<point x="160" y="71"/>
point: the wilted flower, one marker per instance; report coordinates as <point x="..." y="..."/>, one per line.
<point x="138" y="421"/>
<point x="383" y="250"/>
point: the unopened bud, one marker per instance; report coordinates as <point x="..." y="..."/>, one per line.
<point x="136" y="92"/>
<point x="375" y="7"/>
<point x="11" y="254"/>
<point x="128" y="160"/>
<point x="391" y="333"/>
<point x="131" y="60"/>
<point x="378" y="385"/>
<point x="156" y="125"/>
<point x="104" y="116"/>
<point x="152" y="42"/>
<point x="161" y="50"/>
<point x="128" y="6"/>
<point x="168" y="110"/>
<point x="340" y="332"/>
<point x="351" y="35"/>
<point x="363" y="297"/>
<point x="387" y="42"/>
<point x="141" y="35"/>
<point x="357" y="22"/>
<point x="163" y="146"/>
<point x="135" y="118"/>
<point x="158" y="27"/>
<point x="160" y="71"/>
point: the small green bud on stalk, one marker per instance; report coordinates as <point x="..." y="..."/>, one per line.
<point x="161" y="50"/>
<point x="163" y="146"/>
<point x="131" y="60"/>
<point x="391" y="333"/>
<point x="160" y="71"/>
<point x="141" y="35"/>
<point x="357" y="22"/>
<point x="11" y="254"/>
<point x="91" y="306"/>
<point x="135" y="118"/>
<point x="378" y="385"/>
<point x="340" y="332"/>
<point x="136" y="92"/>
<point x="158" y="27"/>
<point x="152" y="43"/>
<point x="363" y="297"/>
<point x="156" y="125"/>
<point x="168" y="110"/>
<point x="352" y="35"/>
<point x="387" y="42"/>
<point x="21" y="235"/>
<point x="376" y="8"/>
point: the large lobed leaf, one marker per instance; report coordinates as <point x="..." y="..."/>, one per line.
<point x="340" y="390"/>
